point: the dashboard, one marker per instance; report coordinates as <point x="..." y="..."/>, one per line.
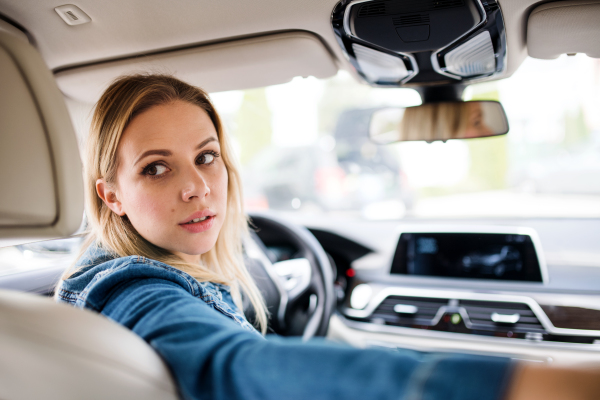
<point x="517" y="288"/>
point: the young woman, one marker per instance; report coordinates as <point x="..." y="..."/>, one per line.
<point x="164" y="259"/>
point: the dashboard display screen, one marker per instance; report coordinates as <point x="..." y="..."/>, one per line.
<point x="467" y="255"/>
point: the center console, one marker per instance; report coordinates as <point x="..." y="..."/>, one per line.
<point x="484" y="282"/>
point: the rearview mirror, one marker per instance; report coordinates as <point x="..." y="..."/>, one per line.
<point x="438" y="121"/>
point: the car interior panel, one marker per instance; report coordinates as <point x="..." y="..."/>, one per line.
<point x="494" y="251"/>
<point x="37" y="139"/>
<point x="62" y="344"/>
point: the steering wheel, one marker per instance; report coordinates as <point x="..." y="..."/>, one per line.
<point x="299" y="291"/>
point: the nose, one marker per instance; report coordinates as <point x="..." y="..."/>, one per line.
<point x="194" y="185"/>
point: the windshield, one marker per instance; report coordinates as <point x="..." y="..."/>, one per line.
<point x="304" y="149"/>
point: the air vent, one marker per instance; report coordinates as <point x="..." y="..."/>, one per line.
<point x="380" y="8"/>
<point x="372" y="10"/>
<point x="414" y="19"/>
<point x="407" y="311"/>
<point x="501" y="316"/>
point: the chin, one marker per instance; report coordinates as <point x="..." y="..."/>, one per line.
<point x="197" y="250"/>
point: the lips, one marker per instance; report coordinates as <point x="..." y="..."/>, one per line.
<point x="199" y="221"/>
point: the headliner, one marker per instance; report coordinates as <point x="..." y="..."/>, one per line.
<point x="133" y="27"/>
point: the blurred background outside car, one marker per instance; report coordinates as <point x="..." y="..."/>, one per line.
<point x="303" y="148"/>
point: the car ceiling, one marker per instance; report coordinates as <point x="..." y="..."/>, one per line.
<point x="125" y="28"/>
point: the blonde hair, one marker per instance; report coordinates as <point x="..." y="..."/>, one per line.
<point x="124" y="99"/>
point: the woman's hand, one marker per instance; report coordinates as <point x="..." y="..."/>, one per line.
<point x="535" y="382"/>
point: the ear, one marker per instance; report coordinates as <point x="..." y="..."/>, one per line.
<point x="109" y="197"/>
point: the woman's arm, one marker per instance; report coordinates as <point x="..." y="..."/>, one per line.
<point x="212" y="357"/>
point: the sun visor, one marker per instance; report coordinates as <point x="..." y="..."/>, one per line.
<point x="564" y="27"/>
<point x="41" y="193"/>
<point x="238" y="64"/>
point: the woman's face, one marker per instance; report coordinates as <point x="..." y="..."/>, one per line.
<point x="171" y="180"/>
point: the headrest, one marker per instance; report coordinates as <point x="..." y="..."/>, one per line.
<point x="564" y="27"/>
<point x="41" y="193"/>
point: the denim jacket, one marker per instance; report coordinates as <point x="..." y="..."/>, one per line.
<point x="214" y="353"/>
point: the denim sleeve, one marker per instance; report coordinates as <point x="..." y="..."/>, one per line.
<point x="212" y="357"/>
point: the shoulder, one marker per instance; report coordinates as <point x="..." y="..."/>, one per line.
<point x="103" y="277"/>
<point x="94" y="282"/>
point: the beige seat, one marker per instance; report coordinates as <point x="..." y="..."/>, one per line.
<point x="54" y="351"/>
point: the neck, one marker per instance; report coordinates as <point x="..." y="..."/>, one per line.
<point x="189" y="258"/>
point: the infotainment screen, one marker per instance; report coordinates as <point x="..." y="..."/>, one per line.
<point x="468" y="255"/>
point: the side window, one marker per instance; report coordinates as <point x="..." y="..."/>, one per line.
<point x="56" y="253"/>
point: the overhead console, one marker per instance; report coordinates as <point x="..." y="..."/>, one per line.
<point x="395" y="42"/>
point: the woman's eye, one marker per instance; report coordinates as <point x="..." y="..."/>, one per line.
<point x="156" y="169"/>
<point x="205" y="159"/>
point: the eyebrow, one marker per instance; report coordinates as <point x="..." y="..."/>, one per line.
<point x="167" y="153"/>
<point x="205" y="142"/>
